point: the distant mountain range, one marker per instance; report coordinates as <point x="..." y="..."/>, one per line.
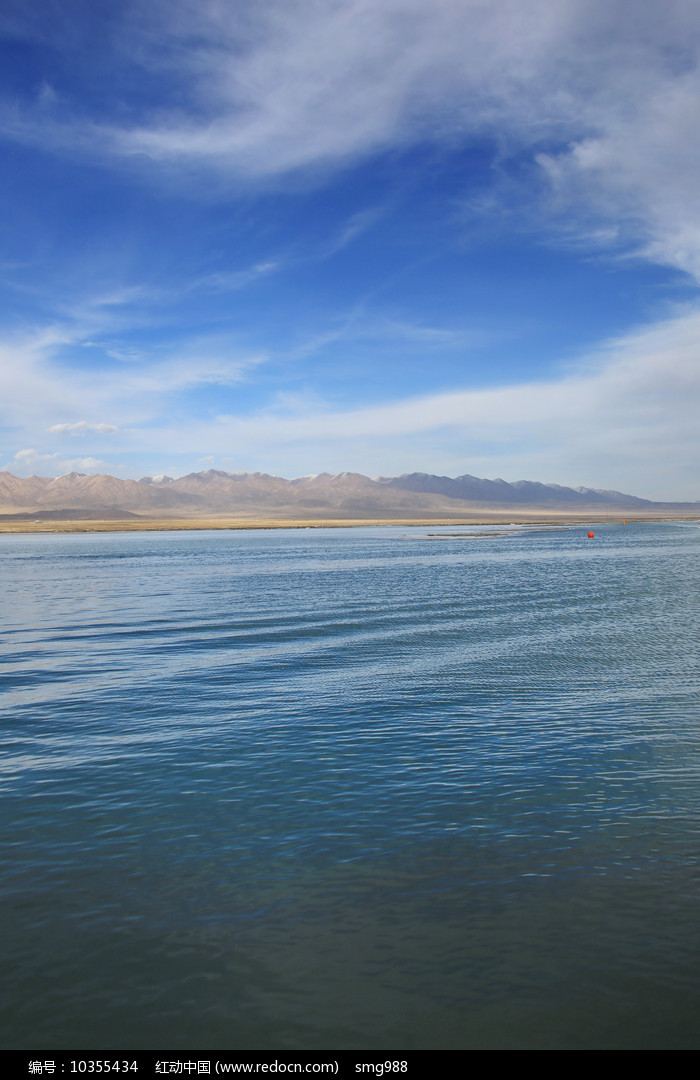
<point x="341" y="495"/>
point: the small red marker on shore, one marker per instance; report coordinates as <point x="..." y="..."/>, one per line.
<point x="591" y="535"/>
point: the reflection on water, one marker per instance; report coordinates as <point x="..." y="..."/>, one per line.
<point x="351" y="789"/>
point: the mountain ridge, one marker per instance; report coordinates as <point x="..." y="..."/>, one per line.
<point x="346" y="494"/>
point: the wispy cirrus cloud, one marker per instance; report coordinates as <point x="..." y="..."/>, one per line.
<point x="602" y="95"/>
<point x="50" y="389"/>
<point x="232" y="281"/>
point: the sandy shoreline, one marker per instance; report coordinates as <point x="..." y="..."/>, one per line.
<point x="16" y="523"/>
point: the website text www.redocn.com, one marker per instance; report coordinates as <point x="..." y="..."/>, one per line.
<point x="277" y="1067"/>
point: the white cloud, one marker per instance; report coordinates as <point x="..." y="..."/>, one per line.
<point x="282" y="85"/>
<point x="56" y="462"/>
<point x="89" y="463"/>
<point x="81" y="427"/>
<point x="39" y="383"/>
<point x="203" y="362"/>
<point x="602" y="94"/>
<point x="236" y="279"/>
<point x="30" y="456"/>
<point x="354" y="227"/>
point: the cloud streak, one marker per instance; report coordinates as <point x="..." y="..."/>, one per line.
<point x="82" y="427"/>
<point x="602" y="95"/>
<point x="31" y="458"/>
<point x="41" y="385"/>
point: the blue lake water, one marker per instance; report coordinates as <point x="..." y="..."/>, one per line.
<point x="351" y="789"/>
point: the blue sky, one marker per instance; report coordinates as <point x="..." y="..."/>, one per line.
<point x="456" y="236"/>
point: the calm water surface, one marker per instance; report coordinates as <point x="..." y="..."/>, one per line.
<point x="351" y="788"/>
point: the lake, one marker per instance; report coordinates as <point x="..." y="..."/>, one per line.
<point x="356" y="789"/>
